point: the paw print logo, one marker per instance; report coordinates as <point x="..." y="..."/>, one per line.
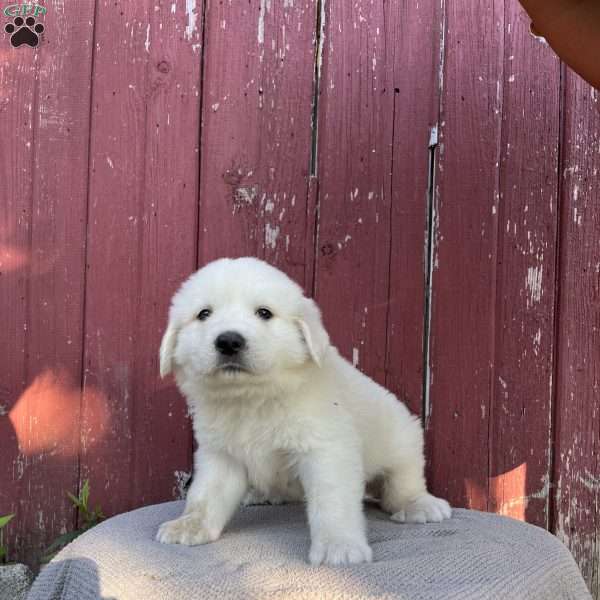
<point x="24" y="31"/>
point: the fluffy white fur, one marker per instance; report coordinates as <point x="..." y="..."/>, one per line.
<point x="291" y="419"/>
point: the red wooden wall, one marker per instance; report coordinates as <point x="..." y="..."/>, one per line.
<point x="428" y="170"/>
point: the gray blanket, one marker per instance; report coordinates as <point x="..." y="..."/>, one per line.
<point x="263" y="555"/>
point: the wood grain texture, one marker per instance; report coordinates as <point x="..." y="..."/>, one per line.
<point x="204" y="150"/>
<point x="464" y="241"/>
<point x="413" y="37"/>
<point x="256" y="136"/>
<point x="17" y="97"/>
<point x="356" y="103"/>
<point x="520" y="432"/>
<point x="142" y="232"/>
<point x="44" y="110"/>
<point x="577" y="439"/>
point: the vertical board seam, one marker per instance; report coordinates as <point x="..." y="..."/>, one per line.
<point x="34" y="108"/>
<point x="129" y="401"/>
<point x="199" y="181"/>
<point x="85" y="253"/>
<point x="392" y="90"/>
<point x="497" y="273"/>
<point x="200" y="129"/>
<point x="319" y="38"/>
<point x="32" y="192"/>
<point x="431" y="201"/>
<point x="558" y="270"/>
<point x="312" y="212"/>
<point x="429" y="250"/>
<point x="314" y="148"/>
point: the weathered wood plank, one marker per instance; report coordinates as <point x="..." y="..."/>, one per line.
<point x="256" y="138"/>
<point x="577" y="440"/>
<point x="356" y="103"/>
<point x="44" y="110"/>
<point x="17" y="96"/>
<point x="521" y="405"/>
<point x="413" y="38"/>
<point x="464" y="254"/>
<point x="141" y="244"/>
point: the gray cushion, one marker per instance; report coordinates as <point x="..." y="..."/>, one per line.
<point x="263" y="554"/>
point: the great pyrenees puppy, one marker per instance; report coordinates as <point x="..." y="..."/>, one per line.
<point x="276" y="409"/>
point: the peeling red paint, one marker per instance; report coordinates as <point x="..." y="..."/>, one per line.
<point x="401" y="160"/>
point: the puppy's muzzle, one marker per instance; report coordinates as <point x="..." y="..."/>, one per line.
<point x="230" y="343"/>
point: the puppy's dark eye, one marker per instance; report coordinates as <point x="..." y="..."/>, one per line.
<point x="204" y="314"/>
<point x="264" y="313"/>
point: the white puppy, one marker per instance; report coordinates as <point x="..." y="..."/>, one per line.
<point x="275" y="407"/>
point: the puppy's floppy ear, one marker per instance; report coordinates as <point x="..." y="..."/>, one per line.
<point x="167" y="349"/>
<point x="312" y="329"/>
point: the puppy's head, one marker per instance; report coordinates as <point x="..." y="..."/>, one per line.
<point x="241" y="319"/>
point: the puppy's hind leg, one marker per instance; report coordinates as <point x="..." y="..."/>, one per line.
<point x="405" y="494"/>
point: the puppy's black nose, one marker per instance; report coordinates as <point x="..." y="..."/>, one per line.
<point x="230" y="343"/>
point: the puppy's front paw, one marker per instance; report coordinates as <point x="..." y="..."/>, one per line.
<point x="339" y="552"/>
<point x="424" y="509"/>
<point x="188" y="529"/>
